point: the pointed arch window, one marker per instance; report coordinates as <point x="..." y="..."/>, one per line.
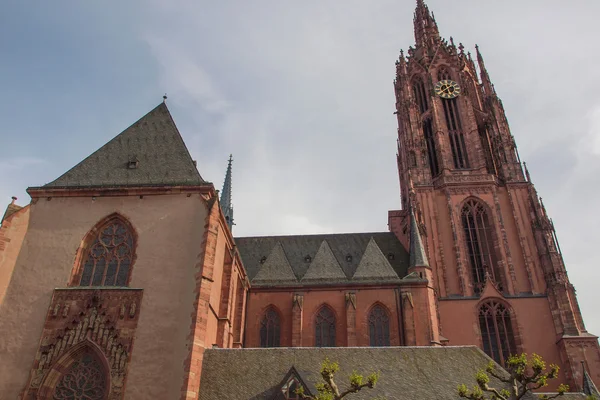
<point x="497" y="331"/>
<point x="85" y="379"/>
<point x="379" y="327"/>
<point x="420" y="94"/>
<point x="270" y="329"/>
<point x="325" y="328"/>
<point x="480" y="245"/>
<point x="109" y="254"/>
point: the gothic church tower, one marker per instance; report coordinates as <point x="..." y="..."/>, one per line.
<point x="496" y="263"/>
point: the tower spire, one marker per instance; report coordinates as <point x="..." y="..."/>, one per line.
<point x="226" y="205"/>
<point x="426" y="29"/>
<point x="588" y="384"/>
<point x="417" y="255"/>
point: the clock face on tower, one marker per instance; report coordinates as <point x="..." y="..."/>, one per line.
<point x="447" y="89"/>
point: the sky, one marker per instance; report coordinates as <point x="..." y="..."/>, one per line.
<point x="301" y="94"/>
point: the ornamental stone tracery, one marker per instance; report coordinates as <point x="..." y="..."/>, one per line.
<point x="78" y="321"/>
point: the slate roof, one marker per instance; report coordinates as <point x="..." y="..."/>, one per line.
<point x="357" y="257"/>
<point x="151" y="152"/>
<point x="405" y="372"/>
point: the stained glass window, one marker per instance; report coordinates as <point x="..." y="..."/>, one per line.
<point x="84" y="380"/>
<point x="325" y="328"/>
<point x="480" y="245"/>
<point x="379" y="327"/>
<point x="269" y="329"/>
<point x="496" y="331"/>
<point x="109" y="256"/>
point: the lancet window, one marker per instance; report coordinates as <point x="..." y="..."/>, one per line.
<point x="108" y="255"/>
<point x="480" y="244"/>
<point x="431" y="148"/>
<point x="455" y="134"/>
<point x="85" y="379"/>
<point x="325" y="328"/>
<point x="420" y="94"/>
<point x="270" y="329"/>
<point x="379" y="327"/>
<point x="497" y="331"/>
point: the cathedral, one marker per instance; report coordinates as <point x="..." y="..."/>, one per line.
<point x="122" y="278"/>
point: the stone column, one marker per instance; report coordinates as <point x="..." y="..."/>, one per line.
<point x="351" y="319"/>
<point x="297" y="314"/>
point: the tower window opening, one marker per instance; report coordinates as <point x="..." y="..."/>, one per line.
<point x="455" y="133"/>
<point x="480" y="245"/>
<point x="497" y="331"/>
<point x="420" y="94"/>
<point x="431" y="148"/>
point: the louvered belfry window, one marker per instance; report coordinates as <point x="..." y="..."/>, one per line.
<point x="325" y="328"/>
<point x="269" y="329"/>
<point x="480" y="245"/>
<point x="420" y="95"/>
<point x="496" y="331"/>
<point x="108" y="258"/>
<point x="379" y="327"/>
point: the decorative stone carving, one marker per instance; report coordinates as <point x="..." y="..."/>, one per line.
<point x="351" y="299"/>
<point x="92" y="316"/>
<point x="298" y="301"/>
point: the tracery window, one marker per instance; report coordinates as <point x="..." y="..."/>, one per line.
<point x="325" y="328"/>
<point x="109" y="256"/>
<point x="84" y="380"/>
<point x="497" y="331"/>
<point x="379" y="327"/>
<point x="455" y="134"/>
<point x="269" y="329"/>
<point x="480" y="245"/>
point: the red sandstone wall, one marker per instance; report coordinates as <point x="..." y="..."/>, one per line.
<point x="170" y="229"/>
<point x="260" y="299"/>
<point x="12" y="234"/>
<point x="534" y="331"/>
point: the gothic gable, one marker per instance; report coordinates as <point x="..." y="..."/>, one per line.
<point x="324" y="266"/>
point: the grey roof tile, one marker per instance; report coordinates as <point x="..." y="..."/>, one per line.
<point x="154" y="141"/>
<point x="275" y="269"/>
<point x="405" y="372"/>
<point x="301" y="250"/>
<point x="374" y="265"/>
<point x="324" y="267"/>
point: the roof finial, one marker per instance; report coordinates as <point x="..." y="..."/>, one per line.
<point x="14" y="198"/>
<point x="165" y="98"/>
<point x="485" y="78"/>
<point x="226" y="205"/>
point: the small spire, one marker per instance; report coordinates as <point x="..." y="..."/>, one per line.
<point x="485" y="77"/>
<point x="589" y="388"/>
<point x="226" y="205"/>
<point x="417" y="255"/>
<point x="14" y="198"/>
<point x="165" y="98"/>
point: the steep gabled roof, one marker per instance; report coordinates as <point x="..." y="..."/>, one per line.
<point x="324" y="266"/>
<point x="10" y="210"/>
<point x="347" y="248"/>
<point x="275" y="269"/>
<point x="374" y="265"/>
<point x="151" y="152"/>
